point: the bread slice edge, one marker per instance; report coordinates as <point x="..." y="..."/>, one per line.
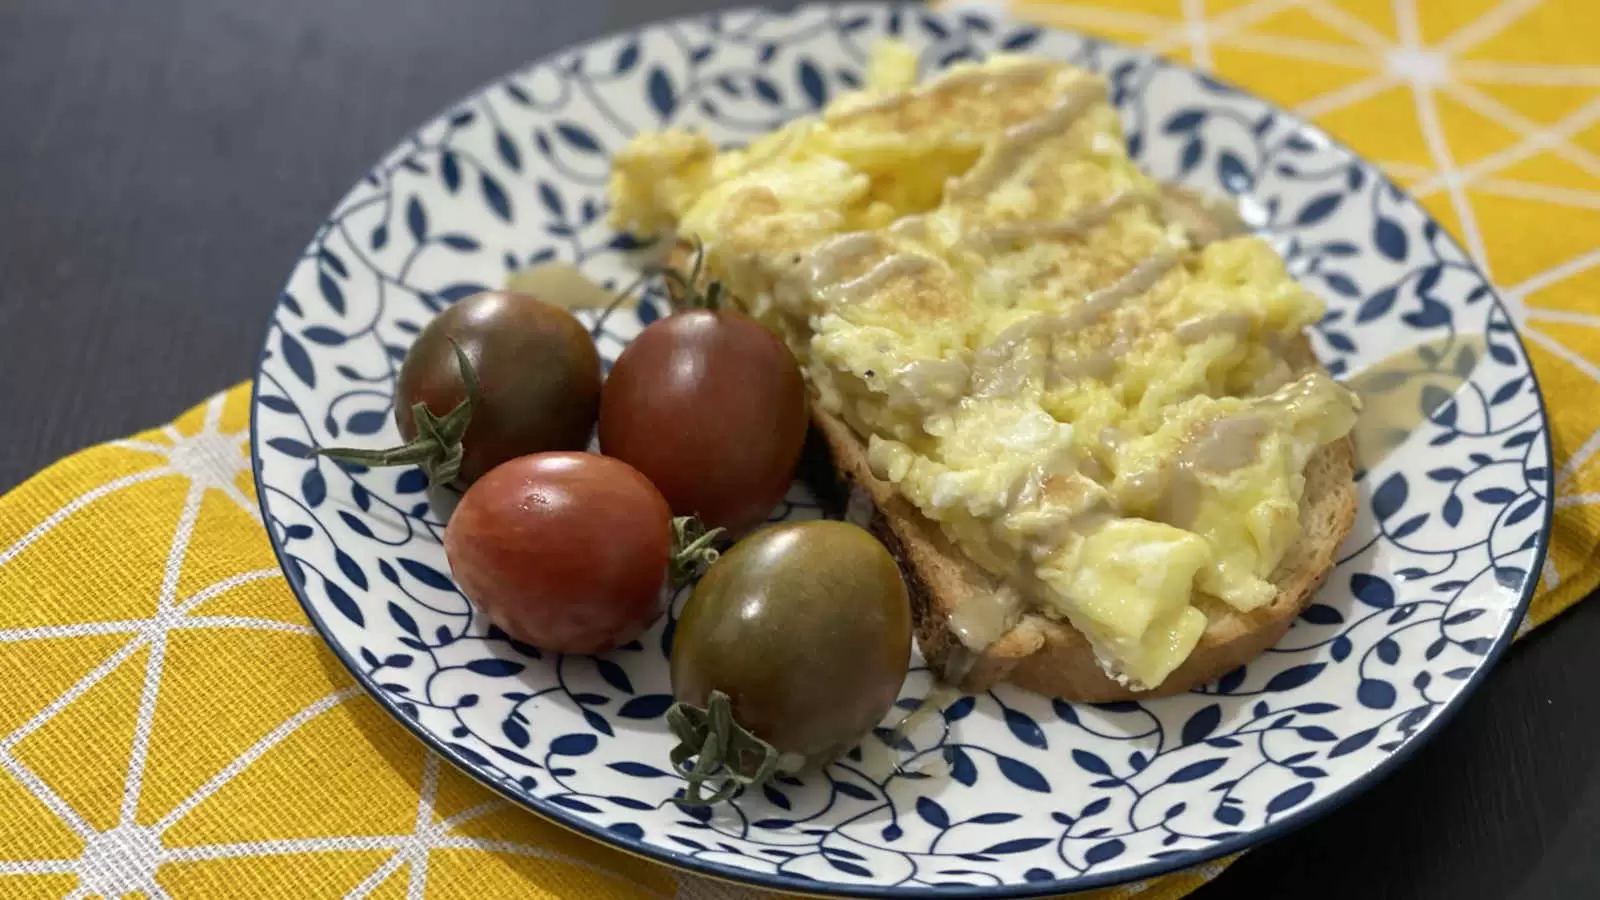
<point x="1046" y="655"/>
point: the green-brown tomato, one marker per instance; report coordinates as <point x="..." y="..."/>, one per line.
<point x="806" y="627"/>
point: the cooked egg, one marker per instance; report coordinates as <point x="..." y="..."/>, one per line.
<point x="981" y="283"/>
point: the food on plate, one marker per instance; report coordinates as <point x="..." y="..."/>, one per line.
<point x="538" y="388"/>
<point x="711" y="407"/>
<point x="1095" y="439"/>
<point x="568" y="551"/>
<point x="792" y="647"/>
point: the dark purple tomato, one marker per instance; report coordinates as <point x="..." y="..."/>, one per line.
<point x="711" y="407"/>
<point x="537" y="370"/>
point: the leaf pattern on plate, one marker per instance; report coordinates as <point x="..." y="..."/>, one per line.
<point x="1006" y="788"/>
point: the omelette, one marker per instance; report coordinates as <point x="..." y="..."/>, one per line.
<point x="1094" y="407"/>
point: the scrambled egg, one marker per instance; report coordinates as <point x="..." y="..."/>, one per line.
<point x="976" y="277"/>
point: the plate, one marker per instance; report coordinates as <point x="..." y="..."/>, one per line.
<point x="1009" y="793"/>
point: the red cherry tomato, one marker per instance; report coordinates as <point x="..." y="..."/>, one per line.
<point x="564" y="551"/>
<point x="711" y="407"/>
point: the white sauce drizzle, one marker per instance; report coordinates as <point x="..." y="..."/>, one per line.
<point x="1005" y="157"/>
<point x="1228" y="443"/>
<point x="1204" y="217"/>
<point x="913" y="227"/>
<point x="987" y="80"/>
<point x="944" y="379"/>
<point x="985" y="618"/>
<point x="1078" y="226"/>
<point x="958" y="663"/>
<point x="1142" y="278"/>
<point x="997" y="369"/>
<point x="891" y="267"/>
<point x="1193" y="331"/>
<point x="822" y="263"/>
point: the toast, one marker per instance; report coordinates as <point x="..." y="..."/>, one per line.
<point x="1052" y="657"/>
<point x="1041" y="654"/>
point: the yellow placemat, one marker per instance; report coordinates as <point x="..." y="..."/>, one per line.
<point x="171" y="726"/>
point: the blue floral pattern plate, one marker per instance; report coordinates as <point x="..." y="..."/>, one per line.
<point x="1004" y="794"/>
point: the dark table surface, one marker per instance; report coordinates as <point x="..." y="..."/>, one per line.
<point x="163" y="162"/>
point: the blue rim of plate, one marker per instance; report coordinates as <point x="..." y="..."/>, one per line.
<point x="746" y="877"/>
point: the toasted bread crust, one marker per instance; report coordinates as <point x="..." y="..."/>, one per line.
<point x="1051" y="657"/>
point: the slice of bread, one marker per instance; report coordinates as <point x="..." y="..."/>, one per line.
<point x="1042" y="654"/>
<point x="1052" y="657"/>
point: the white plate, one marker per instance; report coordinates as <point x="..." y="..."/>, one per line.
<point x="1029" y="796"/>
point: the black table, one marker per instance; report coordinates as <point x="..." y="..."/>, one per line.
<point x="162" y="162"/>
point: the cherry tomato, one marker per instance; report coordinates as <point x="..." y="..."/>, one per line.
<point x="711" y="407"/>
<point x="537" y="369"/>
<point x="806" y="627"/>
<point x="564" y="551"/>
<point x="538" y="388"/>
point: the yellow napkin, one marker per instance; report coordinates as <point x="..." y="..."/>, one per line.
<point x="171" y="726"/>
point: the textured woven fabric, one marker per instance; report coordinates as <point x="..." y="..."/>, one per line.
<point x="179" y="730"/>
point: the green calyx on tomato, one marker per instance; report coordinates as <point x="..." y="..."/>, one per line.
<point x="796" y="640"/>
<point x="721" y="749"/>
<point x="437" y="447"/>
<point x="693" y="549"/>
<point x="536" y="388"/>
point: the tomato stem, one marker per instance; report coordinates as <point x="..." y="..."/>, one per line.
<point x="693" y="549"/>
<point x="689" y="294"/>
<point x="721" y="748"/>
<point x="622" y="295"/>
<point x="437" y="446"/>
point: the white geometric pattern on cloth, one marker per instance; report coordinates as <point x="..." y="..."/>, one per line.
<point x="124" y="858"/>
